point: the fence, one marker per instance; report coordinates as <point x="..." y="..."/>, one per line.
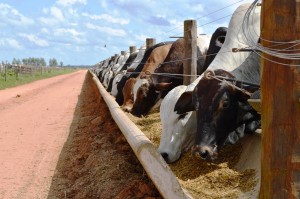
<point x="7" y="70"/>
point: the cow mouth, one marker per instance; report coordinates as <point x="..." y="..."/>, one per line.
<point x="205" y="152"/>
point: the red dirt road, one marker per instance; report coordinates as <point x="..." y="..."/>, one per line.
<point x="34" y="124"/>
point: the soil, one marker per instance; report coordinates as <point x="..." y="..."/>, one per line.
<point x="58" y="140"/>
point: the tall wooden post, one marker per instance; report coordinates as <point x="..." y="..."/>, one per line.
<point x="280" y="85"/>
<point x="150" y="42"/>
<point x="132" y="49"/>
<point x="190" y="51"/>
<point x="123" y="52"/>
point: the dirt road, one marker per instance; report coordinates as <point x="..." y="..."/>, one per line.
<point x="58" y="140"/>
<point x="34" y="124"/>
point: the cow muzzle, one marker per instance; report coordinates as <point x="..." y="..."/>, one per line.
<point x="205" y="152"/>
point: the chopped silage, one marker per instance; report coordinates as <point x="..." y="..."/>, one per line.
<point x="203" y="179"/>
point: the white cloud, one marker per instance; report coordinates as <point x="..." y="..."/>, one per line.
<point x="48" y="21"/>
<point x="34" y="39"/>
<point x="64" y="31"/>
<point x="9" y="42"/>
<point x="103" y="4"/>
<point x="45" y="10"/>
<point x="196" y="8"/>
<point x="141" y="37"/>
<point x="57" y="13"/>
<point x="44" y="30"/>
<point x="70" y="2"/>
<point x="108" y="30"/>
<point x="73" y="12"/>
<point x="12" y="16"/>
<point x="106" y="17"/>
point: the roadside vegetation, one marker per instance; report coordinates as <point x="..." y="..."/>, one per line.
<point x="15" y="76"/>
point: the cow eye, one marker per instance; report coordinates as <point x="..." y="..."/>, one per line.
<point x="226" y="104"/>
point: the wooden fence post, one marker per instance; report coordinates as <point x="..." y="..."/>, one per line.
<point x="132" y="49"/>
<point x="123" y="52"/>
<point x="150" y="42"/>
<point x="17" y="70"/>
<point x="190" y="51"/>
<point x="5" y="71"/>
<point x="280" y="86"/>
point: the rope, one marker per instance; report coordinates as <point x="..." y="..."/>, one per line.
<point x="209" y="76"/>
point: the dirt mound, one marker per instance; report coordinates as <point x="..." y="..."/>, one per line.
<point x="96" y="161"/>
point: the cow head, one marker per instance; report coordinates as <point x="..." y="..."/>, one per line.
<point x="128" y="94"/>
<point x="145" y="96"/>
<point x="221" y="109"/>
<point x="178" y="130"/>
<point x="172" y="65"/>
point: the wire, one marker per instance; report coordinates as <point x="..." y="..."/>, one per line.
<point x="283" y="50"/>
<point x="208" y="14"/>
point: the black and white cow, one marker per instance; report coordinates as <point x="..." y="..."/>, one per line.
<point x="179" y="129"/>
<point x="222" y="110"/>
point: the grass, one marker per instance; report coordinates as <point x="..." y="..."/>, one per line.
<point x="12" y="80"/>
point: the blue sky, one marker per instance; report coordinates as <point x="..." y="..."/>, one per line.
<point x="76" y="31"/>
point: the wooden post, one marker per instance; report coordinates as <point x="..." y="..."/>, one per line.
<point x="150" y="42"/>
<point x="17" y="69"/>
<point x="123" y="52"/>
<point x="132" y="49"/>
<point x="190" y="51"/>
<point x="280" y="86"/>
<point x="5" y="71"/>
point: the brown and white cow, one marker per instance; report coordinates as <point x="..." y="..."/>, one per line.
<point x="157" y="56"/>
<point x="151" y="91"/>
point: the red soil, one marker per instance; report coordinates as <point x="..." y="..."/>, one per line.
<point x="58" y="140"/>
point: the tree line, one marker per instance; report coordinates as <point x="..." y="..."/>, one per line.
<point x="33" y="61"/>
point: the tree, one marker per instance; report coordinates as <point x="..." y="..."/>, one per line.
<point x="43" y="62"/>
<point x="14" y="61"/>
<point x="53" y="62"/>
<point x="61" y="64"/>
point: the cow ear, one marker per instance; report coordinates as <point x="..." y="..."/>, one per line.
<point x="162" y="86"/>
<point x="184" y="103"/>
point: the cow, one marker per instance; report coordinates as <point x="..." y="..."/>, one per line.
<point x="172" y="66"/>
<point x="222" y="110"/>
<point x="116" y="69"/>
<point x="128" y="93"/>
<point x="148" y="94"/>
<point x="156" y="57"/>
<point x="226" y="60"/>
<point x="121" y="73"/>
<point x="135" y="72"/>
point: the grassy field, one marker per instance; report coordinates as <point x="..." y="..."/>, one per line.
<point x="12" y="79"/>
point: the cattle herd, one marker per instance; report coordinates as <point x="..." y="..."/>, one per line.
<point x="210" y="112"/>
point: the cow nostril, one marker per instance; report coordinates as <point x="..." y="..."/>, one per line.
<point x="204" y="154"/>
<point x="165" y="156"/>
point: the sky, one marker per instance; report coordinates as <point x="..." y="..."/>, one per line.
<point x="85" y="32"/>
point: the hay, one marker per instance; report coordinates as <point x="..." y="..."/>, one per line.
<point x="217" y="179"/>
